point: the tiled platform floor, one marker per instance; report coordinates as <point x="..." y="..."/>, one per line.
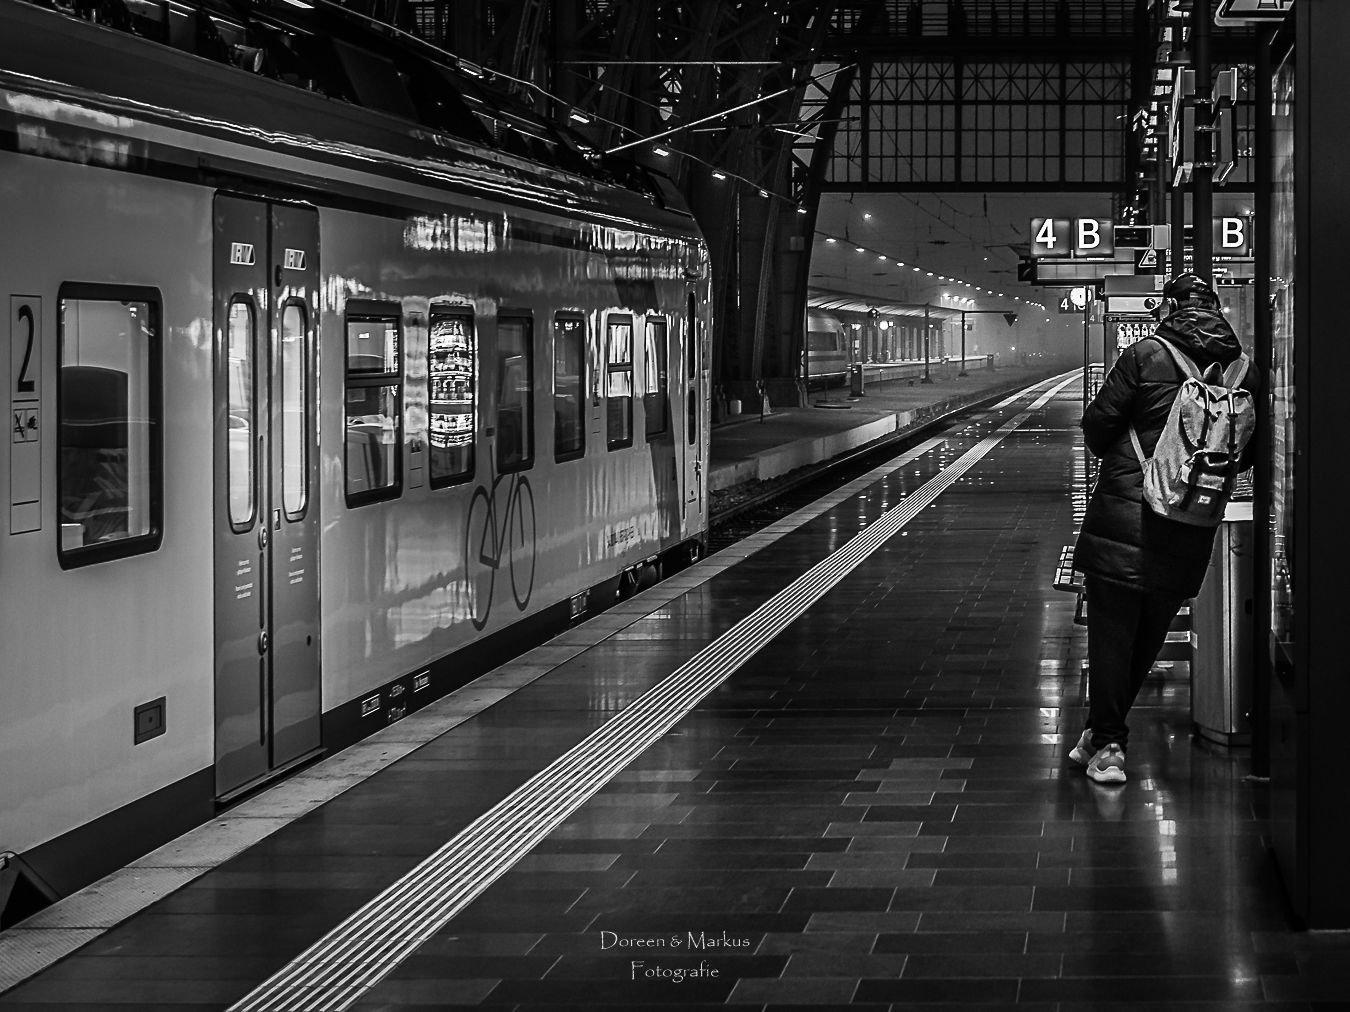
<point x="874" y="812"/>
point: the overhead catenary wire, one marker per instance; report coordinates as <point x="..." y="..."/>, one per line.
<point x="726" y="112"/>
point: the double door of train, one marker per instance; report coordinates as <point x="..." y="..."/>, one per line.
<point x="266" y="517"/>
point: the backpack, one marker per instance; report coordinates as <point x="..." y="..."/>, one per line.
<point x="1191" y="474"/>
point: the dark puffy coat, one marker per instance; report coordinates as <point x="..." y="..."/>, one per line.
<point x="1122" y="539"/>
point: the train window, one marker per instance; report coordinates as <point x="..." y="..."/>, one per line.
<point x="374" y="403"/>
<point x="619" y="381"/>
<point x="240" y="460"/>
<point x="569" y="384"/>
<point x="453" y="378"/>
<point x="654" y="369"/>
<point x="294" y="409"/>
<point x="691" y="345"/>
<point x="109" y="472"/>
<point x="515" y="394"/>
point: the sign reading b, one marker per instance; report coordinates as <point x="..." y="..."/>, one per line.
<point x="1093" y="237"/>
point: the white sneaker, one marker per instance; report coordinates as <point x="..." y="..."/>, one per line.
<point x="1082" y="752"/>
<point x="1108" y="765"/>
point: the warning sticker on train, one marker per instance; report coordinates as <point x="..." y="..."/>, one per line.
<point x="242" y="253"/>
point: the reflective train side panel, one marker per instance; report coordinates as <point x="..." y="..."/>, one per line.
<point x="278" y="465"/>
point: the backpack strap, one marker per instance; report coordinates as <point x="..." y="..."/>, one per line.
<point x="1183" y="361"/>
<point x="1138" y="447"/>
<point x="1236" y="371"/>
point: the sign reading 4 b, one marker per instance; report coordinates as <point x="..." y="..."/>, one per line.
<point x="1058" y="237"/>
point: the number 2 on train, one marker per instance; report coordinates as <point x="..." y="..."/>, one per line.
<point x="27" y="363"/>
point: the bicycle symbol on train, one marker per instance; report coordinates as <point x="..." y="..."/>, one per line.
<point x="497" y="537"/>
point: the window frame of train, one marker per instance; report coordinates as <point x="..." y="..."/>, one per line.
<point x="151" y="372"/>
<point x="363" y="311"/>
<point x="526" y="459"/>
<point x="565" y="452"/>
<point x="446" y="311"/>
<point x="652" y="408"/>
<point x="613" y="370"/>
<point x="298" y="370"/>
<point x="250" y="306"/>
<point x="691" y="368"/>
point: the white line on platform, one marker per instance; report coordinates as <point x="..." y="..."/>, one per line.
<point x="1034" y="387"/>
<point x="344" y="964"/>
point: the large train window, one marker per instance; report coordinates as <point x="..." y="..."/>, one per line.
<point x="569" y="385"/>
<point x="241" y="458"/>
<point x="655" y="378"/>
<point x="294" y="409"/>
<point x="109" y="456"/>
<point x="619" y="381"/>
<point x="453" y="376"/>
<point x="374" y="402"/>
<point x="515" y="393"/>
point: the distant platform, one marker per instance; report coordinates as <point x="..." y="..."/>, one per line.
<point x="747" y="450"/>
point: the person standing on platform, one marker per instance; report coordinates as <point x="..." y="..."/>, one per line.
<point x="1139" y="567"/>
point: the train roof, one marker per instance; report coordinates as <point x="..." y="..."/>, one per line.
<point x="307" y="79"/>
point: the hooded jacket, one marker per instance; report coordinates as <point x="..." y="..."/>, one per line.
<point x="1122" y="539"/>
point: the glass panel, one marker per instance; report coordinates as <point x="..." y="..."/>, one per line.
<point x="294" y="416"/>
<point x="693" y="417"/>
<point x="372" y="438"/>
<point x="619" y="382"/>
<point x="105" y="447"/>
<point x="239" y="401"/>
<point x="453" y="372"/>
<point x="569" y="349"/>
<point x="654" y="407"/>
<point x="372" y="346"/>
<point x="1283" y="414"/>
<point x="515" y="390"/>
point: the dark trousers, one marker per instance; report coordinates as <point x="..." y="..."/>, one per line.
<point x="1126" y="629"/>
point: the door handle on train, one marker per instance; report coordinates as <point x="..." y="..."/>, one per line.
<point x="276" y="519"/>
<point x="262" y="642"/>
<point x="262" y="535"/>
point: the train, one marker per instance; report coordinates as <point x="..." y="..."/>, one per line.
<point x="829" y="349"/>
<point x="337" y="374"/>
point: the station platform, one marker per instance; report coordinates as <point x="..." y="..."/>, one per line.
<point x="824" y="767"/>
<point x="750" y="449"/>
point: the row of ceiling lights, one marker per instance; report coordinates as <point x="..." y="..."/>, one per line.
<point x="941" y="277"/>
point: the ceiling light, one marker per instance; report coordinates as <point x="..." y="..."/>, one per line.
<point x="916" y="268"/>
<point x="300" y="3"/>
<point x="719" y="175"/>
<point x="801" y="210"/>
<point x="579" y="117"/>
<point x="661" y="151"/>
<point x="831" y="239"/>
<point x="763" y="193"/>
<point x="881" y="256"/>
<point x="860" y="249"/>
<point x="867" y="215"/>
<point x="930" y="274"/>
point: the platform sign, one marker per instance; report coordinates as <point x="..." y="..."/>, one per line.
<point x="1232" y="237"/>
<point x="1051" y="237"/>
<point x="25" y="399"/>
<point x="1093" y="237"/>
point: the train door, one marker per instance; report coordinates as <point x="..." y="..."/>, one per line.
<point x="693" y="444"/>
<point x="267" y="693"/>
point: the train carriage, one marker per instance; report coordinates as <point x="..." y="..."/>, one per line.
<point x="317" y="410"/>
